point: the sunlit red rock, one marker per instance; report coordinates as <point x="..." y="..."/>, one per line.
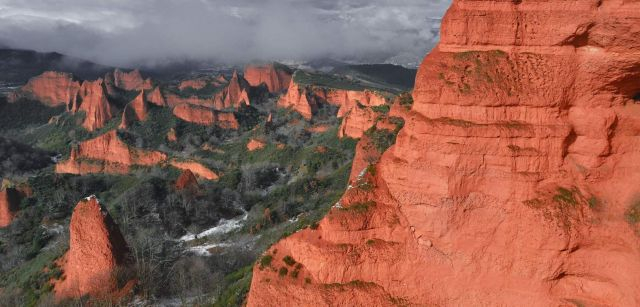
<point x="347" y="100"/>
<point x="92" y="100"/>
<point x="187" y="181"/>
<point x="205" y="116"/>
<point x="275" y="76"/>
<point x="155" y="96"/>
<point x="9" y="205"/>
<point x="235" y="94"/>
<point x="511" y="182"/>
<point x="298" y="99"/>
<point x="255" y="144"/>
<point x="196" y="84"/>
<point x="97" y="255"/>
<point x="196" y="168"/>
<point x="134" y="111"/>
<point x="130" y="81"/>
<point x="51" y="88"/>
<point x="172" y="135"/>
<point x="107" y="154"/>
<point x="356" y="122"/>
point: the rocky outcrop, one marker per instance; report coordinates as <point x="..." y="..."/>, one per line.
<point x="128" y="81"/>
<point x="50" y="88"/>
<point x="305" y="99"/>
<point x="92" y="100"/>
<point x="187" y="181"/>
<point x="347" y="100"/>
<point x="195" y="168"/>
<point x="107" y="154"/>
<point x="235" y="94"/>
<point x="356" y="122"/>
<point x="96" y="258"/>
<point x="9" y="205"/>
<point x="275" y="77"/>
<point x="512" y="182"/>
<point x="298" y="99"/>
<point x="205" y="116"/>
<point x="196" y="84"/>
<point x="255" y="144"/>
<point x="134" y="111"/>
<point x="155" y="96"/>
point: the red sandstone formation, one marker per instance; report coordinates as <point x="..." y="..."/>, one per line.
<point x="235" y="93"/>
<point x="9" y="205"/>
<point x="155" y="96"/>
<point x="276" y="78"/>
<point x="196" y="168"/>
<point x="187" y="181"/>
<point x="513" y="181"/>
<point x="299" y="100"/>
<point x="172" y="135"/>
<point x="205" y="116"/>
<point x="129" y="81"/>
<point x="97" y="251"/>
<point x="107" y="154"/>
<point x="356" y="122"/>
<point x="51" y="88"/>
<point x="318" y="128"/>
<point x="254" y="145"/>
<point x="347" y="100"/>
<point x="305" y="99"/>
<point x="196" y="84"/>
<point x="134" y="111"/>
<point x="92" y="99"/>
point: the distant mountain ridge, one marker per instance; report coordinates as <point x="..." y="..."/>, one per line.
<point x="18" y="66"/>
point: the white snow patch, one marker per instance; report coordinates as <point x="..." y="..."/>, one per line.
<point x="224" y="226"/>
<point x="203" y="250"/>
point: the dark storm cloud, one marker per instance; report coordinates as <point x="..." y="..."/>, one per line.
<point x="121" y="32"/>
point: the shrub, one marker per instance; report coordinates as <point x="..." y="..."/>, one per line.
<point x="289" y="260"/>
<point x="283" y="272"/>
<point x="265" y="261"/>
<point x="384" y="109"/>
<point x="565" y="196"/>
<point x="633" y="213"/>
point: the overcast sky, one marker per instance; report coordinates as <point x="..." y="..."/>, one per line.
<point x="126" y="32"/>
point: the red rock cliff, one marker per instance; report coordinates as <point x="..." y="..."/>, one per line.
<point x="299" y="99"/>
<point x="205" y="116"/>
<point x="97" y="250"/>
<point x="51" y="88"/>
<point x="513" y="181"/>
<point x="134" y="111"/>
<point x="129" y="81"/>
<point x="9" y="205"/>
<point x="276" y="78"/>
<point x="92" y="99"/>
<point x="107" y="154"/>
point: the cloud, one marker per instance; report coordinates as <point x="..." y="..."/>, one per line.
<point x="125" y="33"/>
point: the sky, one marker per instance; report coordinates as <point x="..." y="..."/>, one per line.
<point x="148" y="32"/>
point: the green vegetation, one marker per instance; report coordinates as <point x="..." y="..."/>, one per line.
<point x="237" y="287"/>
<point x="327" y="81"/>
<point x="381" y="138"/>
<point x="283" y="272"/>
<point x="383" y="109"/>
<point x="289" y="260"/>
<point x="633" y="213"/>
<point x="361" y="207"/>
<point x="265" y="261"/>
<point x="565" y="196"/>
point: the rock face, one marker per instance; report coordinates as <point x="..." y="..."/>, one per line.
<point x="155" y="96"/>
<point x="235" y="93"/>
<point x="97" y="250"/>
<point x="92" y="100"/>
<point x="356" y="122"/>
<point x="107" y="154"/>
<point x="129" y="81"/>
<point x="187" y="181"/>
<point x="195" y="168"/>
<point x="513" y="181"/>
<point x="254" y="145"/>
<point x="205" y="116"/>
<point x="275" y="76"/>
<point x="305" y="99"/>
<point x="51" y="88"/>
<point x="298" y="99"/>
<point x="134" y="111"/>
<point x="9" y="205"/>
